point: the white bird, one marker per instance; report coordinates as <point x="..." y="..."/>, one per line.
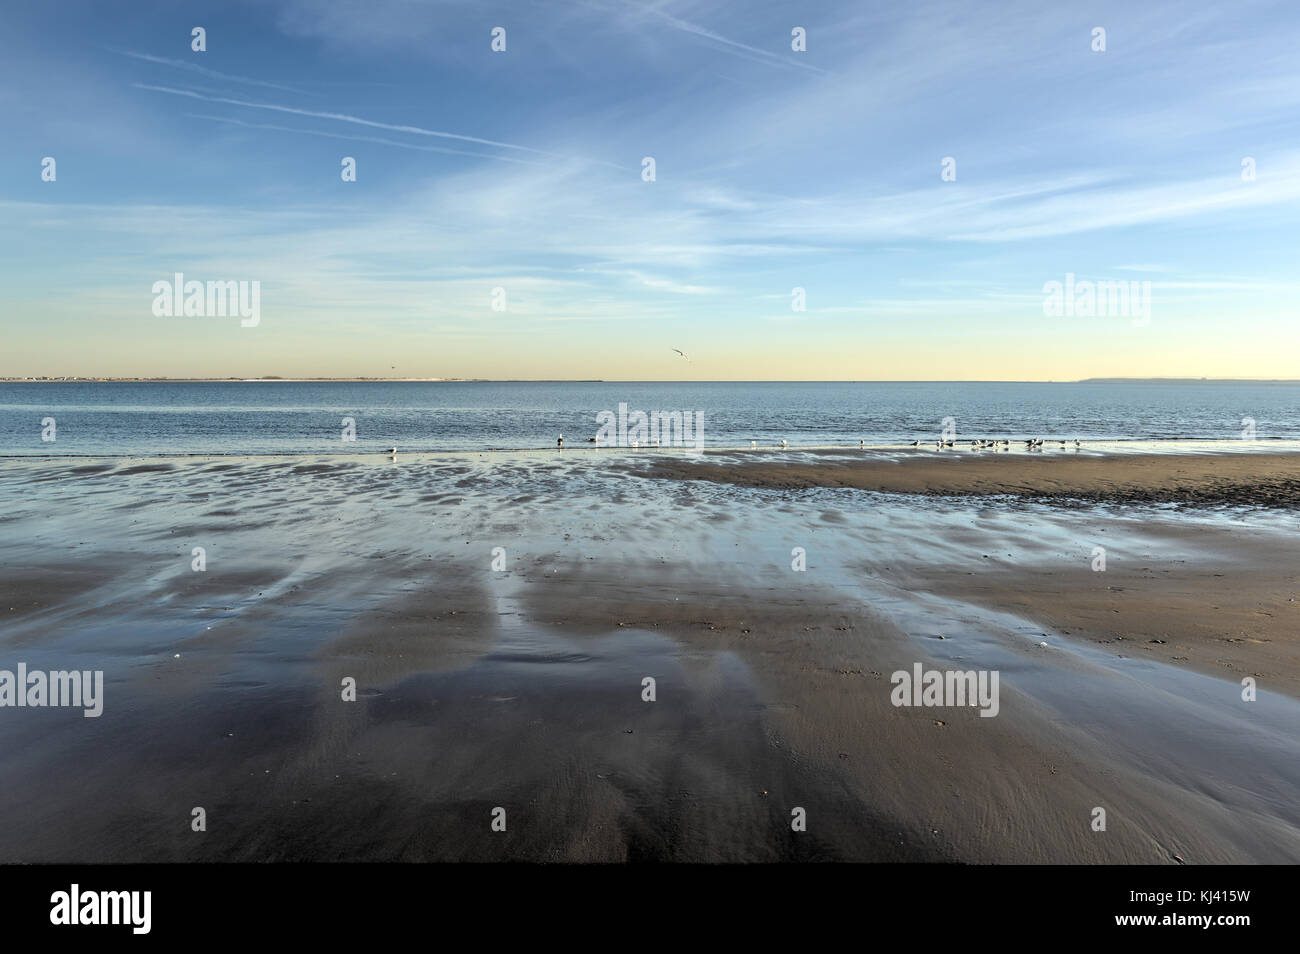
<point x="753" y="445"/>
<point x="783" y="442"/>
<point x="392" y="451"/>
<point x="560" y="442"/>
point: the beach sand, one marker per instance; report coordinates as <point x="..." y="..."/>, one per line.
<point x="1258" y="479"/>
<point x="521" y="688"/>
<point x="1220" y="598"/>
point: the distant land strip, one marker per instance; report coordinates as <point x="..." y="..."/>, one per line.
<point x="47" y="379"/>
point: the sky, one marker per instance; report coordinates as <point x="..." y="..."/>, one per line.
<point x="516" y="178"/>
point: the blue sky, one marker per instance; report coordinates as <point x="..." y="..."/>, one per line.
<point x="775" y="169"/>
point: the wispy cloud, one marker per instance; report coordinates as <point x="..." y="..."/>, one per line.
<point x="735" y="47"/>
<point x="204" y="71"/>
<point x="354" y="138"/>
<point x="657" y="282"/>
<point x="357" y="120"/>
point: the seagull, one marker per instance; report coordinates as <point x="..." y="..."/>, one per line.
<point x="783" y="442"/>
<point x="916" y="443"/>
<point x="753" y="445"/>
<point x="560" y="442"/>
<point x="682" y="353"/>
<point x="392" y="452"/>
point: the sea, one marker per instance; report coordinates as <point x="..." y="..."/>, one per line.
<point x="165" y="418"/>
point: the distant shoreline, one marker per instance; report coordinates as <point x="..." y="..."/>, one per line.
<point x="278" y="380"/>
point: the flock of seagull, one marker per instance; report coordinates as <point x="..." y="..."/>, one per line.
<point x="1032" y="444"/>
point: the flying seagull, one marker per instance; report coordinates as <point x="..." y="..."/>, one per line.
<point x="682" y="353"/>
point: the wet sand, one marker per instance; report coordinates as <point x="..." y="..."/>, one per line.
<point x="1261" y="479"/>
<point x="520" y="685"/>
<point x="1232" y="610"/>
<point x="1235" y="618"/>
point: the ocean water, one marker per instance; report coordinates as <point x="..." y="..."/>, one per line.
<point x="286" y="417"/>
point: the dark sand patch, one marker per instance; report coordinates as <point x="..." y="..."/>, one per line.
<point x="445" y="623"/>
<point x="27" y="590"/>
<point x="907" y="782"/>
<point x="1257" y="480"/>
<point x="144" y="469"/>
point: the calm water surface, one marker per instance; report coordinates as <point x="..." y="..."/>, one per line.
<point x="160" y="418"/>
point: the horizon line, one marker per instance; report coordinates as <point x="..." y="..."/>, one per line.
<point x="280" y="379"/>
